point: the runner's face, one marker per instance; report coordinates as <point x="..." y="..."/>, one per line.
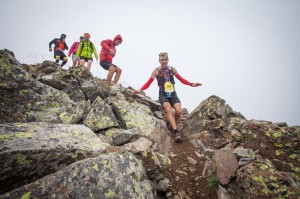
<point x="164" y="62"/>
<point x="117" y="42"/>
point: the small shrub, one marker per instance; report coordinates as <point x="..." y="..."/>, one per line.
<point x="213" y="182"/>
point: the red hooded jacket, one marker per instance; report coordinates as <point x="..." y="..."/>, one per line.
<point x="105" y="53"/>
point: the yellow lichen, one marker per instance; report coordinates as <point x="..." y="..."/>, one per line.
<point x="279" y="145"/>
<point x="263" y="167"/>
<point x="258" y="178"/>
<point x="277" y="134"/>
<point x="274" y="178"/>
<point x="65" y="118"/>
<point x="110" y="193"/>
<point x="96" y="167"/>
<point x="24" y="135"/>
<point x="279" y="152"/>
<point x="4" y="136"/>
<point x="266" y="191"/>
<point x="21" y="159"/>
<point x="293" y="156"/>
<point x="26" y="195"/>
<point x="144" y="153"/>
<point x="107" y="164"/>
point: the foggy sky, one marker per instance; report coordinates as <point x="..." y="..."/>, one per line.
<point x="244" y="51"/>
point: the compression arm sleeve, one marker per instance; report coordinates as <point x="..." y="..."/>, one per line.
<point x="147" y="84"/>
<point x="182" y="80"/>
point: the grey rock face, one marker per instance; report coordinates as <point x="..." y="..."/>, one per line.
<point x="226" y="164"/>
<point x="100" y="116"/>
<point x="23" y="99"/>
<point x="106" y="176"/>
<point x="29" y="151"/>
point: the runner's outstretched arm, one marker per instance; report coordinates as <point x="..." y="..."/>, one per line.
<point x="184" y="81"/>
<point x="148" y="83"/>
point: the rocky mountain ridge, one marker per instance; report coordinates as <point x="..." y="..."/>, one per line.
<point x="66" y="134"/>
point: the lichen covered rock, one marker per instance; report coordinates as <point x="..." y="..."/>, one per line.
<point x="29" y="151"/>
<point x="106" y="176"/>
<point x="260" y="179"/>
<point x="100" y="116"/>
<point x="24" y="99"/>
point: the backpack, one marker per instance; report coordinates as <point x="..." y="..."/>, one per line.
<point x="91" y="46"/>
<point x="57" y="42"/>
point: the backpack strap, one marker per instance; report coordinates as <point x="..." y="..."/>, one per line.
<point x="91" y="46"/>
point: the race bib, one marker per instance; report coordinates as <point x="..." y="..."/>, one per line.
<point x="168" y="87"/>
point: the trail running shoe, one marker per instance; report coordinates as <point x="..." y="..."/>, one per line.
<point x="177" y="137"/>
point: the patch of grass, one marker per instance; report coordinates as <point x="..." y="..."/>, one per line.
<point x="213" y="182"/>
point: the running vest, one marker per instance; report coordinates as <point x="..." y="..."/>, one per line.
<point x="59" y="45"/>
<point x="82" y="46"/>
<point x="165" y="80"/>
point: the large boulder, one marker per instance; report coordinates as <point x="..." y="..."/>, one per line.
<point x="260" y="179"/>
<point x="86" y="81"/>
<point x="226" y="165"/>
<point x="273" y="141"/>
<point x="106" y="176"/>
<point x="24" y="99"/>
<point x="132" y="114"/>
<point x="29" y="151"/>
<point x="268" y="153"/>
<point x="211" y="115"/>
<point x="74" y="91"/>
<point x="100" y="116"/>
<point x="50" y="74"/>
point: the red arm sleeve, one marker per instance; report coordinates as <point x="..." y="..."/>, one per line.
<point x="147" y="84"/>
<point x="184" y="81"/>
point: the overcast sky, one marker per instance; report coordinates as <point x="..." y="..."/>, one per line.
<point x="244" y="51"/>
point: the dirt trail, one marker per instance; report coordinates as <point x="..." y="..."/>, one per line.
<point x="185" y="174"/>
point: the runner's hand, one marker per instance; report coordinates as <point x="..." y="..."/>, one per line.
<point x="136" y="91"/>
<point x="50" y="49"/>
<point x="196" y="84"/>
<point x="112" y="52"/>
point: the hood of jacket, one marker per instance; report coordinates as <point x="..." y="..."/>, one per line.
<point x="117" y="37"/>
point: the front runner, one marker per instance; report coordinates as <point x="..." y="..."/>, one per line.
<point x="167" y="95"/>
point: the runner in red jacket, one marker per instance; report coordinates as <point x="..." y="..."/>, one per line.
<point x="106" y="55"/>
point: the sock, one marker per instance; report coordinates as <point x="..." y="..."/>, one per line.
<point x="63" y="63"/>
<point x="57" y="61"/>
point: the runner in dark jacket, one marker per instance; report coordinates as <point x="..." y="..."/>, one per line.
<point x="59" y="47"/>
